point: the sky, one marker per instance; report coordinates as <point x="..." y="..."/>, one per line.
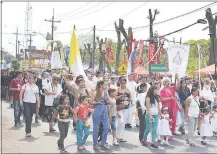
<point x="84" y="15"/>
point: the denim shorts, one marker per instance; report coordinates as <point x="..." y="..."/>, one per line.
<point x="113" y="123"/>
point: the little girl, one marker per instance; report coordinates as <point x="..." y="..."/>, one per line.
<point x="214" y="120"/>
<point x="113" y="114"/>
<point x="205" y="129"/>
<point x="164" y="127"/>
<point x="63" y="111"/>
<point x="82" y="124"/>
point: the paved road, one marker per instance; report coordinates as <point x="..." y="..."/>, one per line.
<point x="14" y="140"/>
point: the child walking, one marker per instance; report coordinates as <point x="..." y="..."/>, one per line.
<point x="63" y="111"/>
<point x="214" y="120"/>
<point x="113" y="114"/>
<point x="205" y="129"/>
<point x="164" y="126"/>
<point x="82" y="124"/>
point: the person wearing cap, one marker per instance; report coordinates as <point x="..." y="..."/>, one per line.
<point x="192" y="112"/>
<point x="15" y="87"/>
<point x="131" y="85"/>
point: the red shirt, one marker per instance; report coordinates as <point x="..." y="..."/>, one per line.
<point x="16" y="83"/>
<point x="83" y="111"/>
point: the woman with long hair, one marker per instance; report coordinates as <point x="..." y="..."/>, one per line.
<point x="100" y="115"/>
<point x="183" y="93"/>
<point x="152" y="116"/>
<point x="168" y="99"/>
<point x="29" y="97"/>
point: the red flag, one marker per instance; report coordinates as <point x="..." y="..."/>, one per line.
<point x="131" y="43"/>
<point x="151" y="53"/>
<point x="141" y="44"/>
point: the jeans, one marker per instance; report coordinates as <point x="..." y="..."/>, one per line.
<point x="29" y="110"/>
<point x="151" y="126"/>
<point x="100" y="114"/>
<point x="82" y="132"/>
<point x="63" y="129"/>
<point x="192" y="126"/>
<point x="182" y="126"/>
<point x="42" y="106"/>
<point x="213" y="104"/>
<point x="18" y="109"/>
<point x="141" y="124"/>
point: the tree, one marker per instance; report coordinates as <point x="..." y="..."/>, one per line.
<point x="119" y="45"/>
<point x="102" y="53"/>
<point x="212" y="30"/>
<point x="15" y="64"/>
<point x="8" y="57"/>
<point x="193" y="58"/>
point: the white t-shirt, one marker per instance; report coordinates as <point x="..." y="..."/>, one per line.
<point x="141" y="98"/>
<point x="49" y="99"/>
<point x="131" y="85"/>
<point x="30" y="93"/>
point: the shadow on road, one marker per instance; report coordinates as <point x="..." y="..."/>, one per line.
<point x="54" y="134"/>
<point x="29" y="139"/>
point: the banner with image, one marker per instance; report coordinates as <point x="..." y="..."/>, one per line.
<point x="178" y="59"/>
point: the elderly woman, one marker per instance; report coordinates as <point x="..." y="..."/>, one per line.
<point x="168" y="99"/>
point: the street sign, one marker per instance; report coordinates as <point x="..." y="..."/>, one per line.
<point x="158" y="68"/>
<point x="122" y="69"/>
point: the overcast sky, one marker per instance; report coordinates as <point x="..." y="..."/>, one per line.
<point x="100" y="14"/>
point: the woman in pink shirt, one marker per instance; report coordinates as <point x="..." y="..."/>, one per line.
<point x="168" y="99"/>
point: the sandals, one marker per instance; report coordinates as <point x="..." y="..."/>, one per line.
<point x="81" y="148"/>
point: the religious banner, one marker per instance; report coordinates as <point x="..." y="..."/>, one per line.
<point x="151" y="53"/>
<point x="178" y="59"/>
<point x="141" y="44"/>
<point x="56" y="62"/>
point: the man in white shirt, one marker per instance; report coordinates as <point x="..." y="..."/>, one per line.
<point x="131" y="85"/>
<point x="144" y="80"/>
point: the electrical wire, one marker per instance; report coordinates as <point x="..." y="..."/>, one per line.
<point x="123" y="16"/>
<point x="65" y="14"/>
<point x="176" y="17"/>
<point x="87" y="14"/>
<point x="81" y="12"/>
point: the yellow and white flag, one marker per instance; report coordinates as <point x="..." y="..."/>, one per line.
<point x="75" y="62"/>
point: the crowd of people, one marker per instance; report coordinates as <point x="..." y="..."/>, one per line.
<point x="105" y="102"/>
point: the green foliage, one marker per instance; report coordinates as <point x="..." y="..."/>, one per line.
<point x="8" y="57"/>
<point x="15" y="64"/>
<point x="193" y="60"/>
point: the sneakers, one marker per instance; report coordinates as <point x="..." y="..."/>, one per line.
<point x="203" y="143"/>
<point x="154" y="145"/>
<point x="192" y="145"/>
<point x="121" y="140"/>
<point x="167" y="143"/>
<point x="15" y="125"/>
<point x="28" y="135"/>
<point x="97" y="148"/>
<point x="115" y="142"/>
<point x="106" y="146"/>
<point x="162" y="142"/>
<point x="144" y="143"/>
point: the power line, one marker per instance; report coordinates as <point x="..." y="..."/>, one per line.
<point x="176" y="17"/>
<point x="81" y="12"/>
<point x="135" y="9"/>
<point x="87" y="14"/>
<point x="65" y="14"/>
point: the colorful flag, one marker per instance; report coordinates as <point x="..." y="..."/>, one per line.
<point x="75" y="62"/>
<point x="151" y="53"/>
<point x="130" y="66"/>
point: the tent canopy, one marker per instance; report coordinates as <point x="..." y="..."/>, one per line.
<point x="206" y="70"/>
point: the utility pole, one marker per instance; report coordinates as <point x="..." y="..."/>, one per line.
<point x="94" y="45"/>
<point x="52" y="28"/>
<point x="16" y="41"/>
